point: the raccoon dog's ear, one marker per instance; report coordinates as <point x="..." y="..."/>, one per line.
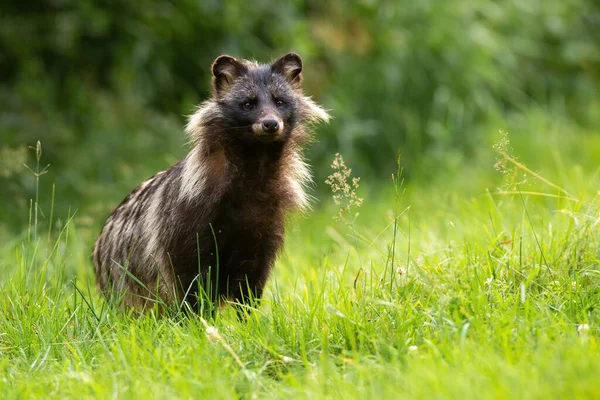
<point x="225" y="70"/>
<point x="290" y="66"/>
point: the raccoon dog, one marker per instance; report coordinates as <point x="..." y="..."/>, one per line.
<point x="213" y="223"/>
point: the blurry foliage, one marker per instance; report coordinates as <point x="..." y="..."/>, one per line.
<point x="106" y="85"/>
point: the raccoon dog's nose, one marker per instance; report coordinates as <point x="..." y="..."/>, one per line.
<point x="270" y="126"/>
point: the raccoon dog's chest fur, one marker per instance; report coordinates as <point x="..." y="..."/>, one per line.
<point x="214" y="222"/>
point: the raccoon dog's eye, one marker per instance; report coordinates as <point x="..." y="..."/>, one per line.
<point x="279" y="103"/>
<point x="247" y="106"/>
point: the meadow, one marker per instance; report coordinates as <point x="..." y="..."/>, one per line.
<point x="467" y="267"/>
<point x="478" y="278"/>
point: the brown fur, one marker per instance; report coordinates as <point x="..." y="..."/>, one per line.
<point x="222" y="207"/>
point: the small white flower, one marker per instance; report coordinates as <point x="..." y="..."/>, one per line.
<point x="583" y="329"/>
<point x="287" y="359"/>
<point x="412" y="349"/>
<point x="212" y="333"/>
<point x="211" y="330"/>
<point x="489" y="281"/>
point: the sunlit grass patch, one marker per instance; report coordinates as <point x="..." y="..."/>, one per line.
<point x="429" y="292"/>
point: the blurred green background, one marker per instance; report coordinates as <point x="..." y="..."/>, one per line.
<point x="106" y="85"/>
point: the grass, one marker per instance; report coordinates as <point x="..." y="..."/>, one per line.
<point x="445" y="288"/>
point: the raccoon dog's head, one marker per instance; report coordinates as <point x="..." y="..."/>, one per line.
<point x="254" y="104"/>
<point x="258" y="102"/>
